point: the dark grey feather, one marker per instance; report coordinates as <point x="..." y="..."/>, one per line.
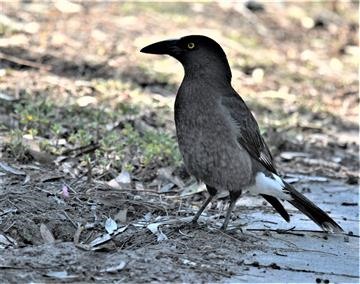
<point x="248" y="130"/>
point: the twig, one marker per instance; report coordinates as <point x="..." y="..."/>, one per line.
<point x="231" y="237"/>
<point x="82" y="149"/>
<point x="79" y="230"/>
<point x="71" y="221"/>
<point x="210" y="270"/>
<point x="290" y="231"/>
<point x="279" y="231"/>
<point x="149" y="191"/>
<point x="8" y="211"/>
<point x="23" y="62"/>
<point x="70" y="187"/>
<point x="51" y="179"/>
<point x="101" y="183"/>
<point x="89" y="171"/>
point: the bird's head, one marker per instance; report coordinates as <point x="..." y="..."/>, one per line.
<point x="197" y="53"/>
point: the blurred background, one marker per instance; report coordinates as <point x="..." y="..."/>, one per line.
<point x="87" y="138"/>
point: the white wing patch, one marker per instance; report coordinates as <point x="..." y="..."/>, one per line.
<point x="273" y="186"/>
<point x="264" y="158"/>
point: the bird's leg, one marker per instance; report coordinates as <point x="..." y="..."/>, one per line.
<point x="233" y="197"/>
<point x="228" y="214"/>
<point x="202" y="208"/>
<point x="212" y="191"/>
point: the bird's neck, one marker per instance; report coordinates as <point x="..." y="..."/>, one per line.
<point x="200" y="87"/>
<point x="200" y="74"/>
<point x="208" y="70"/>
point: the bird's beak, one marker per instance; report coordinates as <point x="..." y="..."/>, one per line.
<point x="162" y="47"/>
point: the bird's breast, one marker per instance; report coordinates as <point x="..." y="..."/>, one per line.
<point x="207" y="143"/>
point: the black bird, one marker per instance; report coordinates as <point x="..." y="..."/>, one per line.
<point x="218" y="136"/>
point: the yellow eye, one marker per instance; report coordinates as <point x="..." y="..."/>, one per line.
<point x="190" y="45"/>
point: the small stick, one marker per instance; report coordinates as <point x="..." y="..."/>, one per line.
<point x="23" y="62"/>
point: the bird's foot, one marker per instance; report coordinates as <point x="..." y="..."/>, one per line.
<point x="231" y="230"/>
<point x="194" y="221"/>
<point x="190" y="225"/>
<point x="223" y="228"/>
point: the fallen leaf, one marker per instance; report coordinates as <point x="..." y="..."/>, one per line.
<point x="123" y="177"/>
<point x="121" y="216"/>
<point x="114" y="268"/>
<point x="121" y="181"/>
<point x="11" y="169"/>
<point x="60" y="275"/>
<point x="6" y="241"/>
<point x="166" y="174"/>
<point x="167" y="187"/>
<point x="193" y="189"/>
<point x="110" y="225"/>
<point x="105" y="237"/>
<point x="46" y="234"/>
<point x="156" y="230"/>
<point x="114" y="184"/>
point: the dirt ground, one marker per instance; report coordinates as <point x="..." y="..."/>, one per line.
<point x="92" y="187"/>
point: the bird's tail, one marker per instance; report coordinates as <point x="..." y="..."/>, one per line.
<point x="312" y="211"/>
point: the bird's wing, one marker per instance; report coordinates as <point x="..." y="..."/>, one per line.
<point x="248" y="133"/>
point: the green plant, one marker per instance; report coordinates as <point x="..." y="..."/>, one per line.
<point x="81" y="138"/>
<point x="16" y="146"/>
<point x="35" y="116"/>
<point x="159" y="147"/>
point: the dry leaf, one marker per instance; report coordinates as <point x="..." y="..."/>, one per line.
<point x="110" y="225"/>
<point x="114" y="268"/>
<point x="121" y="216"/>
<point x="11" y="169"/>
<point x="156" y="230"/>
<point x="46" y="234"/>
